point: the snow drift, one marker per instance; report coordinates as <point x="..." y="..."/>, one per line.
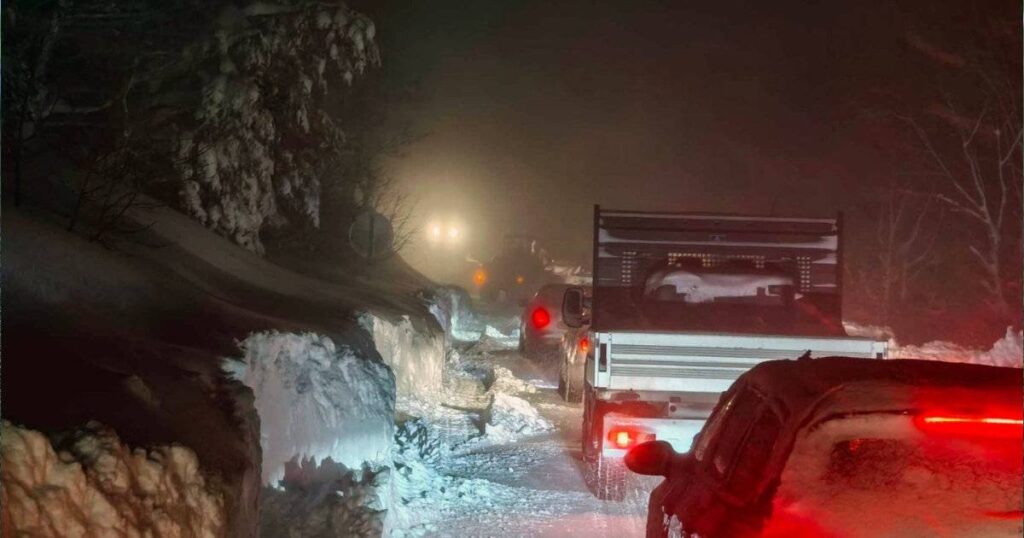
<point x="93" y="485"/>
<point x="316" y="401"/>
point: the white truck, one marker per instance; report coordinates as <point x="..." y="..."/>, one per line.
<point x="681" y="305"/>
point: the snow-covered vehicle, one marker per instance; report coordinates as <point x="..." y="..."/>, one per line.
<point x="848" y="448"/>
<point x="684" y="303"/>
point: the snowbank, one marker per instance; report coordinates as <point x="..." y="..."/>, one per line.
<point x="96" y="486"/>
<point x="416" y="356"/>
<point x="511" y="417"/>
<point x="1007" y="351"/>
<point x="316" y="401"/>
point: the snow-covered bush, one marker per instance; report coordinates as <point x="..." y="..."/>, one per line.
<point x="316" y="401"/>
<point x="262" y="136"/>
<point x="93" y="485"/>
<point x="326" y="499"/>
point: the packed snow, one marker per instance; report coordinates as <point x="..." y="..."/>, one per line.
<point x="87" y="483"/>
<point x="316" y="400"/>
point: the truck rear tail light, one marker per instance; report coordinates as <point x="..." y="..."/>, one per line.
<point x="584" y="345"/>
<point x="624" y="438"/>
<point x="988" y="426"/>
<point x="540" y="317"/>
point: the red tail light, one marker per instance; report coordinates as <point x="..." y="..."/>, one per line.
<point x="540" y="317"/>
<point x="971" y="425"/>
<point x="480" y="277"/>
<point x="622" y="438"/>
<point x="584" y="344"/>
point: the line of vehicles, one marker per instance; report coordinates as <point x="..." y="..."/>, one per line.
<point x="674" y="352"/>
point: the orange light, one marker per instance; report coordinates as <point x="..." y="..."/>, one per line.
<point x="584" y="344"/>
<point x="625" y="438"/>
<point x="520" y="279"/>
<point x="479" y="277"/>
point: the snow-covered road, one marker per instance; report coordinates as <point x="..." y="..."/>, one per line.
<point x="508" y="484"/>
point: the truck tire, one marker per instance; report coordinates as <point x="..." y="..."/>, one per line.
<point x="608" y="478"/>
<point x="569" y="385"/>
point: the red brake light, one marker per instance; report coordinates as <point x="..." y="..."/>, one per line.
<point x="971" y="425"/>
<point x="584" y="344"/>
<point x="540" y="318"/>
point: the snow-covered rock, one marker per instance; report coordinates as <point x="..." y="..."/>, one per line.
<point x="93" y="485"/>
<point x="416" y="355"/>
<point x="316" y="400"/>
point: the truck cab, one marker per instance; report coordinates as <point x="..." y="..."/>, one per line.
<point x="681" y="305"/>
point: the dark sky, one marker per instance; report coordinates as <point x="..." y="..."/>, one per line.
<point x="535" y="110"/>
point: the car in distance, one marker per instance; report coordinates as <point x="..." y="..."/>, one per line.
<point x="540" y="325"/>
<point x="844" y="447"/>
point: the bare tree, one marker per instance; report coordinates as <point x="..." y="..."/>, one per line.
<point x="978" y="166"/>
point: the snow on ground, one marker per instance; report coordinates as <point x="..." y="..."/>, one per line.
<point x="316" y="400"/>
<point x="87" y="483"/>
<point x="1007" y="351"/>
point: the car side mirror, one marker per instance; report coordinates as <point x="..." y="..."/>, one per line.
<point x="653" y="458"/>
<point x="572" y="307"/>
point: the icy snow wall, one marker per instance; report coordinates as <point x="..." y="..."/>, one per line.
<point x="93" y="485"/>
<point x="415" y="355"/>
<point x="1007" y="351"/>
<point x="316" y="401"/>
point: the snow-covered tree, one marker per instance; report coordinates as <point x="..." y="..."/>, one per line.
<point x="223" y="104"/>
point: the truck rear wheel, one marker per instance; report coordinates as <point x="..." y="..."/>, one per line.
<point x="608" y="478"/>
<point x="570" y="387"/>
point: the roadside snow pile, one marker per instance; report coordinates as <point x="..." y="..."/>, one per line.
<point x="415" y="355"/>
<point x="869" y="331"/>
<point x="498" y="339"/>
<point x="450" y="305"/>
<point x="92" y="485"/>
<point x="1007" y="351"/>
<point x="510" y="417"/>
<point x="316" y="401"/>
<point x="505" y="381"/>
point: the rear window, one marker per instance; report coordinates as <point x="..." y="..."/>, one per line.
<point x="911" y="484"/>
